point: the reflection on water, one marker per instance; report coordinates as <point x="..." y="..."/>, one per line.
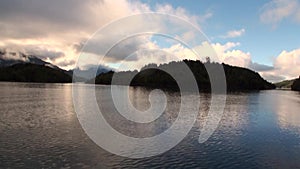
<point x="39" y="129"/>
<point x="287" y="109"/>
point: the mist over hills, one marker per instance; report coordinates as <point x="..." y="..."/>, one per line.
<point x="9" y="58"/>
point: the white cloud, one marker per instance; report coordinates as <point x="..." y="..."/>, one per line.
<point x="278" y="10"/>
<point x="154" y="54"/>
<point x="217" y="52"/>
<point x="229" y="55"/>
<point x="234" y="33"/>
<point x="285" y="66"/>
<point x="222" y="48"/>
<point x="287" y="63"/>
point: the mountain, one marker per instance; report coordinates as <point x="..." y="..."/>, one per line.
<point x="9" y="58"/>
<point x="27" y="72"/>
<point x="287" y="84"/>
<point x="87" y="74"/>
<point x="237" y="78"/>
<point x="19" y="67"/>
<point x="296" y="85"/>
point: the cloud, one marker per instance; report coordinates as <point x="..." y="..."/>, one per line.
<point x="11" y="54"/>
<point x="156" y="56"/>
<point x="216" y="51"/>
<point x="65" y="62"/>
<point x="60" y="28"/>
<point x="187" y="36"/>
<point x="43" y="53"/>
<point x="285" y="67"/>
<point x="229" y="55"/>
<point x="49" y="26"/>
<point x="234" y="33"/>
<point x="287" y="63"/>
<point x="273" y="77"/>
<point x="277" y="10"/>
<point x="260" y="67"/>
<point x="181" y="12"/>
<point x="47" y="29"/>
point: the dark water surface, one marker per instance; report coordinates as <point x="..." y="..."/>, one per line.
<point x="39" y="129"/>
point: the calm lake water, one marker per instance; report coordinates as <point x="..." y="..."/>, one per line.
<point x="39" y="129"/>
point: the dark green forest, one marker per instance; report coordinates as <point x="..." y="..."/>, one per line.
<point x="152" y="75"/>
<point x="237" y="78"/>
<point x="33" y="73"/>
<point x="285" y="84"/>
<point x="296" y="85"/>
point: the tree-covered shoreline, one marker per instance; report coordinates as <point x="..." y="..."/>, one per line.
<point x="33" y="73"/>
<point x="296" y="85"/>
<point x="237" y="78"/>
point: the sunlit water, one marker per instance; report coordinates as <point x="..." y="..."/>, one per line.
<point x="39" y="129"/>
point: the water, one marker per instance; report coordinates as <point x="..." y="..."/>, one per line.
<point x="39" y="129"/>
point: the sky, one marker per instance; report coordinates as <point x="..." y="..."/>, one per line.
<point x="261" y="35"/>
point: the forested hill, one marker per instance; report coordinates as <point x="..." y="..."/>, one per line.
<point x="27" y="72"/>
<point x="238" y="79"/>
<point x="286" y="84"/>
<point x="296" y="85"/>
